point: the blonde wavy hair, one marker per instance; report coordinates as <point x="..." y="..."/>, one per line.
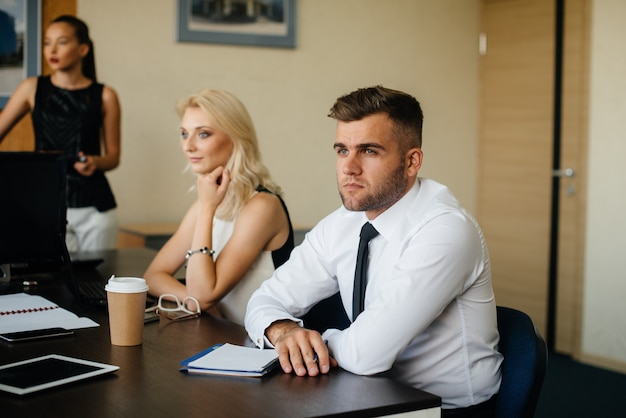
<point x="248" y="172"/>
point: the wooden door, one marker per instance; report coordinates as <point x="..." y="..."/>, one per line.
<point x="572" y="191"/>
<point x="517" y="131"/>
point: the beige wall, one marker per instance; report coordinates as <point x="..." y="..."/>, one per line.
<point x="428" y="48"/>
<point x="604" y="325"/>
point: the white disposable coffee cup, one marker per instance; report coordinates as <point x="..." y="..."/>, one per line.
<point x="126" y="300"/>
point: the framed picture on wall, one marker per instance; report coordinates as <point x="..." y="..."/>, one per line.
<point x="20" y="45"/>
<point x="242" y="22"/>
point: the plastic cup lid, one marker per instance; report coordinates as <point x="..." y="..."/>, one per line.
<point x="126" y="285"/>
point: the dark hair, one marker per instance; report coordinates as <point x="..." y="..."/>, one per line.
<point x="82" y="34"/>
<point x="403" y="109"/>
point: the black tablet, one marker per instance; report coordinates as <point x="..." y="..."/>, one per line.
<point x="48" y="371"/>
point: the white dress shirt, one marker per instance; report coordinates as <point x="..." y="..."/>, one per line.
<point x="430" y="312"/>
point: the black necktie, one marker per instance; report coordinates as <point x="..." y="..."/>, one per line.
<point x="360" y="274"/>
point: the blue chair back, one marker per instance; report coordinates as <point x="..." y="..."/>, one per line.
<point x="524" y="366"/>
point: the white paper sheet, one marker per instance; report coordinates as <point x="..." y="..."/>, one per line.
<point x="234" y="357"/>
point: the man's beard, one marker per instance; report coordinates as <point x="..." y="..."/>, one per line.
<point x="384" y="196"/>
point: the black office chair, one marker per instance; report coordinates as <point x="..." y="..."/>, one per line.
<point x="524" y="367"/>
<point x="328" y="313"/>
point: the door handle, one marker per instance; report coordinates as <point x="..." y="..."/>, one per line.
<point x="566" y="172"/>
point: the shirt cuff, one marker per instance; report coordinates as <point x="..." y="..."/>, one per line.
<point x="261" y="340"/>
<point x="328" y="335"/>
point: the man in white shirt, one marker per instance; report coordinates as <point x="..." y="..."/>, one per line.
<point x="429" y="316"/>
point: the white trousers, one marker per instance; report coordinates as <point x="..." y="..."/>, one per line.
<point x="90" y="230"/>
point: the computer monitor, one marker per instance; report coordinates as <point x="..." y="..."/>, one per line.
<point x="33" y="211"/>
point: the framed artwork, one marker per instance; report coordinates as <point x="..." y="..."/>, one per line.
<point x="269" y="23"/>
<point x="20" y="44"/>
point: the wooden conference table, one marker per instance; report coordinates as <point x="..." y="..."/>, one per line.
<point x="149" y="383"/>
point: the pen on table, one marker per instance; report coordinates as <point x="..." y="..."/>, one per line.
<point x="315" y="357"/>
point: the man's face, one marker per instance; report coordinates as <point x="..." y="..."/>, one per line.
<point x="372" y="175"/>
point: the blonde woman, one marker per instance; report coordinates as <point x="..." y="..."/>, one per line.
<point x="238" y="230"/>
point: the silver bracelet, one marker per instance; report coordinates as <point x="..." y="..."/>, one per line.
<point x="204" y="250"/>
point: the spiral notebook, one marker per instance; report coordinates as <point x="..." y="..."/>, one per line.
<point x="24" y="312"/>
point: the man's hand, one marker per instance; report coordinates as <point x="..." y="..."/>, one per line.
<point x="300" y="350"/>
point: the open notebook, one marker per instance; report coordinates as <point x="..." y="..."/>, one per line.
<point x="24" y="312"/>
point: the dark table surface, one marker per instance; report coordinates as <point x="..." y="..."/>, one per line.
<point x="149" y="383"/>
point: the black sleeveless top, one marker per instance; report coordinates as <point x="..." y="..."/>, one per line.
<point x="282" y="254"/>
<point x="71" y="121"/>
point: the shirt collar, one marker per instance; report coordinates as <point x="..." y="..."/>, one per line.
<point x="387" y="222"/>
